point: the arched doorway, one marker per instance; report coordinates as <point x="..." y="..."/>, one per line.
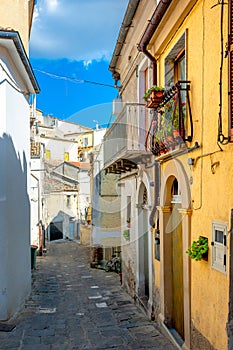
<point x="177" y="297"/>
<point x="175" y="214"/>
<point x="143" y="246"/>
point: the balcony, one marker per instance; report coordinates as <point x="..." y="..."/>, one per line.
<point x="35" y="149"/>
<point x="172" y="124"/>
<point x="124" y="142"/>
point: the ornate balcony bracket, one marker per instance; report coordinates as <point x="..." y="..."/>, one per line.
<point x="120" y="166"/>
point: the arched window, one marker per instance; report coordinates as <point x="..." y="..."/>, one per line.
<point x="175" y="192"/>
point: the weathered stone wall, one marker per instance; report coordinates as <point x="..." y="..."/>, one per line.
<point x="85" y="234"/>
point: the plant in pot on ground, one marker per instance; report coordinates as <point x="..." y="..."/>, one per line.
<point x="198" y="249"/>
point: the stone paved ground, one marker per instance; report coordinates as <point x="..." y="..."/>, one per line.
<point x="75" y="307"/>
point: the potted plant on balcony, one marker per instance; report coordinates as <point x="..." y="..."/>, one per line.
<point x="153" y="96"/>
<point x="128" y="222"/>
<point x="171" y="108"/>
<point x="159" y="142"/>
<point x="199" y="249"/>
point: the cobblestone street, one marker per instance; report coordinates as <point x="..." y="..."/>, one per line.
<point x="75" y="307"/>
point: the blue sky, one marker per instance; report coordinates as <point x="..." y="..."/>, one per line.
<point x="76" y="39"/>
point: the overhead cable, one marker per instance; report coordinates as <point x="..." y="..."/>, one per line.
<point x="74" y="80"/>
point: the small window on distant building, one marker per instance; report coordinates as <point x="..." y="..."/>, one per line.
<point x="81" y="157"/>
<point x="66" y="156"/>
<point x="85" y="142"/>
<point x="47" y="154"/>
<point x="175" y="192"/>
<point x="68" y="201"/>
<point x="219" y="237"/>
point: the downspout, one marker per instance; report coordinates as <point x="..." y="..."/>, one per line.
<point x="149" y="32"/>
<point x="142" y="46"/>
<point x="230" y="305"/>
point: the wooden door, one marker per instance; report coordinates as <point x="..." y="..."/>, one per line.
<point x="177" y="269"/>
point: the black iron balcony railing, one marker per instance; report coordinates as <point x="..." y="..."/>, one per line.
<point x="172" y="123"/>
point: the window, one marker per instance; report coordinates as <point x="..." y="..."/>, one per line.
<point x="66" y="156"/>
<point x="179" y="66"/>
<point x="85" y="142"/>
<point x="128" y="211"/>
<point x="47" y="154"/>
<point x="219" y="234"/>
<point x="175" y="192"/>
<point x="68" y="201"/>
<point x="175" y="63"/>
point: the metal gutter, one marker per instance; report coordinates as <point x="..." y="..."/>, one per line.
<point x="15" y="37"/>
<point x="126" y="24"/>
<point x="149" y="32"/>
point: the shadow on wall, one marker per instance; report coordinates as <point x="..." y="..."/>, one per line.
<point x="63" y="225"/>
<point x="15" y="268"/>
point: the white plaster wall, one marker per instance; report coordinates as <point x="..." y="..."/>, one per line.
<point x="84" y="191"/>
<point x="57" y="207"/>
<point x="15" y="265"/>
<point x="98" y="136"/>
<point x="34" y="198"/>
<point x="36" y="194"/>
<point x="129" y="248"/>
<point x="58" y="148"/>
<point x="98" y="235"/>
<point x="69" y="127"/>
<point x="98" y="202"/>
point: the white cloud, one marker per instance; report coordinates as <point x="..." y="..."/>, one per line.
<point x="87" y="63"/>
<point x="76" y="29"/>
<point x="52" y="4"/>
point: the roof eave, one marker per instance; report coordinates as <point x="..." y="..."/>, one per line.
<point x="126" y="24"/>
<point x="15" y="37"/>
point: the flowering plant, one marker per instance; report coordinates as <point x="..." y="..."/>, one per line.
<point x="171" y="111"/>
<point x="152" y="88"/>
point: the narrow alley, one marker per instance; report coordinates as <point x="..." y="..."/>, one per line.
<point x="75" y="307"/>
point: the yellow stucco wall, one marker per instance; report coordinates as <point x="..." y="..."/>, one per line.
<point x="88" y="136"/>
<point x="16" y="15"/>
<point x="211" y="193"/>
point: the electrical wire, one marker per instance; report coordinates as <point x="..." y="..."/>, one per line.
<point x="74" y="80"/>
<point x="221" y="138"/>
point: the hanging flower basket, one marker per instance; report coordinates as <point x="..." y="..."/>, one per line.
<point x="153" y="96"/>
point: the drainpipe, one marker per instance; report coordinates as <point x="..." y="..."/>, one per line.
<point x="149" y="32"/>
<point x="142" y="46"/>
<point x="230" y="306"/>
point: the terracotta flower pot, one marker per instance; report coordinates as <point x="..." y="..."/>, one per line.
<point x="154" y="99"/>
